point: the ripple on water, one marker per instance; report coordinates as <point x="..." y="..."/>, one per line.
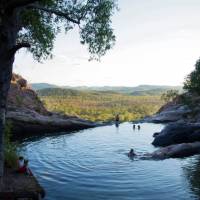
<point x="93" y="165"/>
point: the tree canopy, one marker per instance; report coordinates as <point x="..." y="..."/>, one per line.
<point x="169" y="95"/>
<point x="35" y="24"/>
<point x="192" y="81"/>
<point x="40" y="21"/>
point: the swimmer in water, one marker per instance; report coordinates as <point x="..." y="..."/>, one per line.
<point x="131" y="153"/>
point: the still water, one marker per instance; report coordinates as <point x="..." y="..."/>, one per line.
<point x="93" y="165"/>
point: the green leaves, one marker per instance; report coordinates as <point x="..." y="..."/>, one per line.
<point x="192" y="81"/>
<point x="42" y="21"/>
<point x="96" y="30"/>
<point x="169" y="95"/>
<point x="39" y="30"/>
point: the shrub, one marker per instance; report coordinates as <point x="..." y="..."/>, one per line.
<point x="192" y="81"/>
<point x="170" y="95"/>
<point x="10" y="151"/>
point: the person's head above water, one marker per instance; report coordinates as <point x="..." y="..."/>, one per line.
<point x="131" y="153"/>
<point x="21" y="158"/>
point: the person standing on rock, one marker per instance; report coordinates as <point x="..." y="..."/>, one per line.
<point x="117" y="118"/>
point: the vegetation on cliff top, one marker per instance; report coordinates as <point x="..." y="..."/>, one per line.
<point x="192" y="81"/>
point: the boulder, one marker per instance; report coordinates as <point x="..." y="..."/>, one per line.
<point x="175" y="133"/>
<point x="26" y="122"/>
<point x="176" y="151"/>
<point x="29" y="117"/>
<point x="171" y="113"/>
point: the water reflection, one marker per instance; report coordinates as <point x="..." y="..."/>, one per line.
<point x="93" y="165"/>
<point x="192" y="173"/>
<point x="117" y="124"/>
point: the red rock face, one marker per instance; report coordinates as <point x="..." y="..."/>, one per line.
<point x="22" y="96"/>
<point x="29" y="117"/>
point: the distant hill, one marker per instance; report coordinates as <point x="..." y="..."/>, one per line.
<point x="140" y="90"/>
<point x="40" y="86"/>
<point x="59" y="92"/>
<point x="154" y="90"/>
<point x="119" y="89"/>
<point x="71" y="92"/>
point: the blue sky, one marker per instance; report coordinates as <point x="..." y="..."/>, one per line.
<point x="158" y="42"/>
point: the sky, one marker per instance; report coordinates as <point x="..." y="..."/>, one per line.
<point x="157" y="43"/>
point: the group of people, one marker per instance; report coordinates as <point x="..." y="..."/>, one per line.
<point x="117" y="120"/>
<point x="131" y="153"/>
<point x="22" y="166"/>
<point x="138" y="127"/>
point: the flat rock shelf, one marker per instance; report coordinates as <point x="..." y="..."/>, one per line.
<point x="19" y="186"/>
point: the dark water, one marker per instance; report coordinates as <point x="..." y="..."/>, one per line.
<point x="93" y="165"/>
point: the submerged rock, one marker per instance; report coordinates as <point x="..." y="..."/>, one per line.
<point x="177" y="151"/>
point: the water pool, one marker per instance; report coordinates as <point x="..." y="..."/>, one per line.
<point x="93" y="165"/>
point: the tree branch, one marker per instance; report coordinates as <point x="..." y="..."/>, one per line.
<point x="19" y="46"/>
<point x="56" y="12"/>
<point x="19" y="3"/>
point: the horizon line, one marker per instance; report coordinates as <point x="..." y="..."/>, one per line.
<point x="105" y="85"/>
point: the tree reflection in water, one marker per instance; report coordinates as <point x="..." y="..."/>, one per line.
<point x="192" y="173"/>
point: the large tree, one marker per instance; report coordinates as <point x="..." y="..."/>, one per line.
<point x="192" y="81"/>
<point x="34" y="24"/>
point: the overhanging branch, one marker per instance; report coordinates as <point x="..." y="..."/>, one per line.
<point x="18" y="3"/>
<point x="19" y="46"/>
<point x="56" y="12"/>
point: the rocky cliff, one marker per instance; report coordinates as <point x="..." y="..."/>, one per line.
<point x="21" y="96"/>
<point x="29" y="117"/>
<point x="182" y="131"/>
<point x="185" y="108"/>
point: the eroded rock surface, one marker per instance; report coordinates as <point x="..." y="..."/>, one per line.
<point x="176" y="151"/>
<point x="29" y="116"/>
<point x="176" y="133"/>
<point x="173" y="113"/>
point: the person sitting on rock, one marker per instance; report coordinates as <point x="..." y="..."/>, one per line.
<point x="25" y="169"/>
<point x="131" y="153"/>
<point x="20" y="162"/>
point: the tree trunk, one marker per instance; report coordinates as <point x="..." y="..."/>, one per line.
<point x="2" y="123"/>
<point x="8" y="35"/>
<point x="5" y="78"/>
